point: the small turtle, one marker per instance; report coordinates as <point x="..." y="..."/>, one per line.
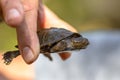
<point x="53" y="40"/>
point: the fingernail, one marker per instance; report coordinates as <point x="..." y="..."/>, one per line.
<point x="13" y="13"/>
<point x="28" y="55"/>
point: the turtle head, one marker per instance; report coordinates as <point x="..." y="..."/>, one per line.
<point x="80" y="43"/>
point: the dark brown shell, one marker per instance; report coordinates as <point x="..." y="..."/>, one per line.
<point x="47" y="37"/>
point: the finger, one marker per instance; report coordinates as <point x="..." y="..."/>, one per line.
<point x="26" y="32"/>
<point x="12" y="11"/>
<point x="64" y="55"/>
<point x="41" y="16"/>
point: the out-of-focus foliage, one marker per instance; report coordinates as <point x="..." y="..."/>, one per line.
<point x="88" y="14"/>
<point x="72" y="11"/>
<point x="7" y="37"/>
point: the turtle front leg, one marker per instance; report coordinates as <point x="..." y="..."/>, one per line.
<point x="9" y="56"/>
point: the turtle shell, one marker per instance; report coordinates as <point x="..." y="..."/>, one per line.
<point x="48" y="37"/>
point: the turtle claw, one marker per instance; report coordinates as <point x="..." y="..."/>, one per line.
<point x="9" y="56"/>
<point x="8" y="61"/>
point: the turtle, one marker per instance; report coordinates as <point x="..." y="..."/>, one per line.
<point x="53" y="40"/>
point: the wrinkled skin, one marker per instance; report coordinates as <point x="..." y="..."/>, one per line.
<point x="53" y="43"/>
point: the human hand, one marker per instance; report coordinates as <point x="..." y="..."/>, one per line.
<point x="25" y="22"/>
<point x="22" y="15"/>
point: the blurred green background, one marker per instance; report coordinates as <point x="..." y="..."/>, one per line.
<point x="7" y="37"/>
<point x="84" y="15"/>
<point x="87" y="15"/>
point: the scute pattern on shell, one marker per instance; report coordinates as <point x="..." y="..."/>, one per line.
<point x="48" y="38"/>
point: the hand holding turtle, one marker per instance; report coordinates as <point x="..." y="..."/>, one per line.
<point x="22" y="15"/>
